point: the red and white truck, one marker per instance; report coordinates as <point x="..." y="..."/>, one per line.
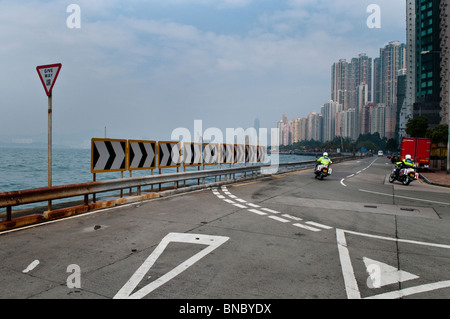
<point x="418" y="148"/>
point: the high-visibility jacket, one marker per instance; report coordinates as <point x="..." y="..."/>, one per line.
<point x="324" y="160"/>
<point x="405" y="163"/>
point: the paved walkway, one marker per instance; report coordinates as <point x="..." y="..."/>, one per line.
<point x="436" y="177"/>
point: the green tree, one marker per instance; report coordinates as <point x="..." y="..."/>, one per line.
<point x="391" y="145"/>
<point x="417" y="127"/>
<point x="439" y="134"/>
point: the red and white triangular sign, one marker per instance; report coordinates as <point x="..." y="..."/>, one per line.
<point x="48" y="75"/>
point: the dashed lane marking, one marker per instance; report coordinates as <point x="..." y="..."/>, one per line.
<point x="267" y="212"/>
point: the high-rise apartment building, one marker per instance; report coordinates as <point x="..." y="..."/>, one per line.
<point x="340" y="82"/>
<point x="377" y="119"/>
<point x="406" y="108"/>
<point x="328" y="111"/>
<point x="347" y="76"/>
<point x="445" y="61"/>
<point x="427" y="84"/>
<point x="428" y="56"/>
<point x="391" y="60"/>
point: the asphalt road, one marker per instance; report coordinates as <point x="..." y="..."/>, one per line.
<point x="352" y="235"/>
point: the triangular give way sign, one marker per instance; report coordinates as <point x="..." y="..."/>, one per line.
<point x="48" y="75"/>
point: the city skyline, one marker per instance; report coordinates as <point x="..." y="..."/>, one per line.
<point x="409" y="81"/>
<point x="141" y="69"/>
<point x="363" y="98"/>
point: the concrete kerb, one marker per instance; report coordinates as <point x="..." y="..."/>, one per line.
<point x="426" y="180"/>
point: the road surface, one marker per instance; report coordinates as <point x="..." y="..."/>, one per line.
<point x="352" y="235"/>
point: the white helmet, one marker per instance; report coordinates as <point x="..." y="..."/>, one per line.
<point x="408" y="157"/>
<point x="325" y="154"/>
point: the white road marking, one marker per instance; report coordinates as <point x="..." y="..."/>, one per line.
<point x="406" y="197"/>
<point x="351" y="285"/>
<point x="292" y="217"/>
<point x="412" y="291"/>
<point x="307" y="227"/>
<point x="271" y="211"/>
<point x="349" y="176"/>
<point x="318" y="225"/>
<point x="31" y="266"/>
<point x="213" y="242"/>
<point x="279" y="219"/>
<point x="257" y="212"/>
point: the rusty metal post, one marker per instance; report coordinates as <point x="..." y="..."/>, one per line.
<point x="94" y="178"/>
<point x="8" y="213"/>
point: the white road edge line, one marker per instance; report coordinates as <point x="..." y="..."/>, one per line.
<point x="405" y="197"/>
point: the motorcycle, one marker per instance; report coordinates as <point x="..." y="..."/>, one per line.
<point x="405" y="175"/>
<point x="322" y="171"/>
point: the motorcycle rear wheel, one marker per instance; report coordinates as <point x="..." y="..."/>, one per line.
<point x="406" y="181"/>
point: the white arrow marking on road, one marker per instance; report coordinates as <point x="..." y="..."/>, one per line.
<point x="351" y="285"/>
<point x="211" y="241"/>
<point x="387" y="274"/>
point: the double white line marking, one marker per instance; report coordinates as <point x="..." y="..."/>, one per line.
<point x="270" y="213"/>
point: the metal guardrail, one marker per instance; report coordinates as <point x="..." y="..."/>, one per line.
<point x="17" y="198"/>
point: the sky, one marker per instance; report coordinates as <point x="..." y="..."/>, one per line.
<point x="140" y="69"/>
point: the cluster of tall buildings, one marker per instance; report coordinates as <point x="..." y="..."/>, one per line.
<point x="383" y="94"/>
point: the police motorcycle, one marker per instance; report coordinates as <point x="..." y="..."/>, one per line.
<point x="322" y="170"/>
<point x="405" y="175"/>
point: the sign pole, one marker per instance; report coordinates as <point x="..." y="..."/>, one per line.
<point x="48" y="75"/>
<point x="50" y="147"/>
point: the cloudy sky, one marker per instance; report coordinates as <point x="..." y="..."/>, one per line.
<point x="142" y="68"/>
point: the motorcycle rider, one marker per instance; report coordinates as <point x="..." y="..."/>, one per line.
<point x="404" y="163"/>
<point x="323" y="160"/>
